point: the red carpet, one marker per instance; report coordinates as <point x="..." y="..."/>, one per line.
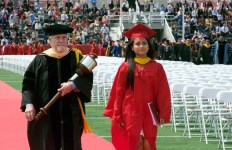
<point x="13" y="125"/>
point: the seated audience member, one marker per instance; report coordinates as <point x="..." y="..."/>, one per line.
<point x="224" y="30"/>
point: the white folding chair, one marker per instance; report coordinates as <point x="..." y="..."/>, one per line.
<point x="204" y="80"/>
<point x="178" y="113"/>
<point x="208" y="84"/>
<point x="94" y="89"/>
<point x="194" y="82"/>
<point x="192" y="109"/>
<point x="100" y="86"/>
<point x="107" y="84"/>
<point x="224" y="108"/>
<point x="219" y="82"/>
<point x="209" y="122"/>
<point x="227" y="87"/>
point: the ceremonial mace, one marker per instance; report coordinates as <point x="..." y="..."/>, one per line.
<point x="86" y="65"/>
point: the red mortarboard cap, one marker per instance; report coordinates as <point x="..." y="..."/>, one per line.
<point x="139" y="31"/>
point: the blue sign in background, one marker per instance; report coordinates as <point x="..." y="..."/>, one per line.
<point x="93" y="2"/>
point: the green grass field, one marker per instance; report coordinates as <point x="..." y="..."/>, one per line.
<point x="167" y="139"/>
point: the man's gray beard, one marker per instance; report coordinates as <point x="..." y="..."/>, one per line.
<point x="60" y="49"/>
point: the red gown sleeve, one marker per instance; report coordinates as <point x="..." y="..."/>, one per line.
<point x="114" y="106"/>
<point x="108" y="112"/>
<point x="163" y="97"/>
<point x="120" y="93"/>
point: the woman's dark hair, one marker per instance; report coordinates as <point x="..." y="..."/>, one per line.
<point x="129" y="57"/>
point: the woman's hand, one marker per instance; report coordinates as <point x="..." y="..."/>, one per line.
<point x="121" y="125"/>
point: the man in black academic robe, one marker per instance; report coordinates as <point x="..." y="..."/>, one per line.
<point x="62" y="127"/>
<point x="195" y="51"/>
<point x="185" y="51"/>
<point x="165" y="50"/>
<point x="205" y="52"/>
<point x="176" y="49"/>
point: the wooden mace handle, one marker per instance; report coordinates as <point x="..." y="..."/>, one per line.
<point x="43" y="110"/>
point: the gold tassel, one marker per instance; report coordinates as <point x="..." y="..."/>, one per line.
<point x="87" y="128"/>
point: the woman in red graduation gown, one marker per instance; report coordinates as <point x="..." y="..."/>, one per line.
<point x="139" y="81"/>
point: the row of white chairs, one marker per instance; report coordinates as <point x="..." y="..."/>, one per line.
<point x="103" y="80"/>
<point x="198" y="108"/>
<point x="16" y="63"/>
<point x="104" y="75"/>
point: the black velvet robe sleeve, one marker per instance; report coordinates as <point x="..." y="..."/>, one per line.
<point x="28" y="85"/>
<point x="84" y="84"/>
<point x="34" y="87"/>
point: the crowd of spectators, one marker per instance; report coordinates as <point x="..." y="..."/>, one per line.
<point x="22" y="25"/>
<point x="205" y="18"/>
<point x="208" y="31"/>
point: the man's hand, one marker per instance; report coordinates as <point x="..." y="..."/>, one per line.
<point x="30" y="112"/>
<point x="65" y="88"/>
